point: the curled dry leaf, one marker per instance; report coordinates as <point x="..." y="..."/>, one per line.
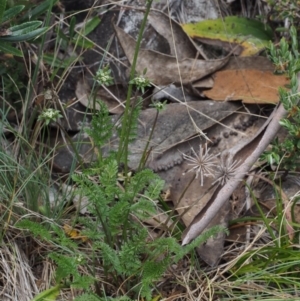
<point x="163" y="69"/>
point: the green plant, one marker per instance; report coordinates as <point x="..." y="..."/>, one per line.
<point x="116" y="249"/>
<point x="28" y="156"/>
<point x="141" y="82"/>
<point x="13" y="30"/>
<point x="287" y="60"/>
<point x="49" y="115"/>
<point x="284" y="9"/>
<point x="270" y="263"/>
<point x="103" y="76"/>
<point x="26" y="30"/>
<point x="125" y="132"/>
<point x="131" y="260"/>
<point x="268" y="267"/>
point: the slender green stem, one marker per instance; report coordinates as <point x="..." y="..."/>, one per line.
<point x="145" y="155"/>
<point x="36" y="70"/>
<point x="264" y="218"/>
<point x="171" y="214"/>
<point x="126" y="122"/>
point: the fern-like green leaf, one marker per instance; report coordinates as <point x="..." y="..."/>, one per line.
<point x="130" y="258"/>
<point x="199" y="240"/>
<point x="155" y="187"/>
<point x="117" y="216"/>
<point x="101" y="126"/>
<point x="143" y="208"/>
<point x="83" y="282"/>
<point x="152" y="271"/>
<point x="139" y="182"/>
<point x="37" y="229"/>
<point x="108" y="176"/>
<point x="62" y="239"/>
<point x="131" y="253"/>
<point x="135" y="112"/>
<point x="110" y="258"/>
<point x="88" y="297"/>
<point x="66" y="266"/>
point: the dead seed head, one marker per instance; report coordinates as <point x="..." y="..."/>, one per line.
<point x="202" y="163"/>
<point x="226" y="170"/>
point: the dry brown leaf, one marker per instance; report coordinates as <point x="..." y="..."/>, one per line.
<point x="174" y="34"/>
<point x="163" y="69"/>
<point x="106" y="95"/>
<point x="250" y="86"/>
<point x="249" y="62"/>
<point x="207" y="82"/>
<point x="174" y="130"/>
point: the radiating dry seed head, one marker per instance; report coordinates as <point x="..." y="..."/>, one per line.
<point x="202" y="163"/>
<point x="226" y="170"/>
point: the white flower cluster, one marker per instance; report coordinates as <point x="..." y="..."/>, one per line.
<point x="140" y="80"/>
<point x="49" y="115"/>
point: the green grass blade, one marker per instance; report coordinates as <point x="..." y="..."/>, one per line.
<point x="2" y="8"/>
<point x="4" y="47"/>
<point x="24" y="28"/>
<point x="49" y="294"/>
<point x="25" y="37"/>
<point x="58" y="63"/>
<point x="12" y="12"/>
<point x="38" y="10"/>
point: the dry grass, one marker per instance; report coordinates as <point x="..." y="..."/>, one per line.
<point x="18" y="281"/>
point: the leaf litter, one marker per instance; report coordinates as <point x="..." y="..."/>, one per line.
<point x="164" y="69"/>
<point x="175" y="135"/>
<point x="235" y="134"/>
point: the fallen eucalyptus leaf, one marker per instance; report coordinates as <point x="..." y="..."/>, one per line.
<point x="109" y="95"/>
<point x="250" y="86"/>
<point x="164" y="69"/>
<point x="249" y="62"/>
<point x="174" y="34"/>
<point x="251" y="36"/>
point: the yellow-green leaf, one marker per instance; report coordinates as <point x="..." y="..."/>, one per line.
<point x="49" y="294"/>
<point x="247" y="35"/>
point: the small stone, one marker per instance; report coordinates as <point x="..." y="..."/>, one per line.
<point x="225" y="134"/>
<point x="237" y="126"/>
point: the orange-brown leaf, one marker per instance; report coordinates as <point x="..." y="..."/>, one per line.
<point x="250" y="86"/>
